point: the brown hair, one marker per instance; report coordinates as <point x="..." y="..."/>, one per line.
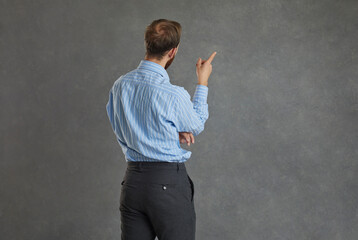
<point x="160" y="36"/>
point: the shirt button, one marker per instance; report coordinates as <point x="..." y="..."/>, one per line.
<point x="164" y="187"/>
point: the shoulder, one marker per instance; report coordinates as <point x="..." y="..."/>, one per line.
<point x="180" y="92"/>
<point x="131" y="74"/>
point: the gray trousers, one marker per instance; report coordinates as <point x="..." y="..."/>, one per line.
<point x="157" y="200"/>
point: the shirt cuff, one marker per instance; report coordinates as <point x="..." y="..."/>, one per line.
<point x="201" y="93"/>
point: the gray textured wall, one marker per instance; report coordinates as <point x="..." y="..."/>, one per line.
<point x="278" y="156"/>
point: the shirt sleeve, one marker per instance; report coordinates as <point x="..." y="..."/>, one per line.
<point x="109" y="108"/>
<point x="190" y="116"/>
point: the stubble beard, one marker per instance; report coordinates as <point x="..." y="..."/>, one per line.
<point x="169" y="62"/>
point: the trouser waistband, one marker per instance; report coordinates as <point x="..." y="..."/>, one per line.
<point x="156" y="172"/>
<point x="133" y="165"/>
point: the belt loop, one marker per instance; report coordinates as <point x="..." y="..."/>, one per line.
<point x="177" y="166"/>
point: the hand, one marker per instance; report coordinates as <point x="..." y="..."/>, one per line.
<point x="186" y="137"/>
<point x="204" y="69"/>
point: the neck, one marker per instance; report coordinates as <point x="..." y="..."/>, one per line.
<point x="160" y="62"/>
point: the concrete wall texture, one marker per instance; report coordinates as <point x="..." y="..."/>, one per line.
<point x="277" y="159"/>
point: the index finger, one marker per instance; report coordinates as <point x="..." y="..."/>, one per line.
<point x="211" y="57"/>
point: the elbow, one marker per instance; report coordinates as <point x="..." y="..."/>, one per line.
<point x="198" y="130"/>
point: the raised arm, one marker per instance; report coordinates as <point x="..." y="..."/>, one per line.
<point x="191" y="116"/>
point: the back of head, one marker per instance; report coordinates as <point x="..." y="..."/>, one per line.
<point x="160" y="36"/>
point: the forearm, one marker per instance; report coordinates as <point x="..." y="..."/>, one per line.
<point x="200" y="106"/>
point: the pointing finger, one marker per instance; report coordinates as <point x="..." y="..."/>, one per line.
<point x="210" y="59"/>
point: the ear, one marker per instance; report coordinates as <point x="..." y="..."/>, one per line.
<point x="172" y="52"/>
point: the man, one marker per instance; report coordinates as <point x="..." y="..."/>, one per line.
<point x="150" y="118"/>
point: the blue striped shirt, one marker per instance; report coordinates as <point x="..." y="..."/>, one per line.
<point x="147" y="113"/>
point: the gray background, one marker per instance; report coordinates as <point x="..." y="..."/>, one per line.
<point x="277" y="158"/>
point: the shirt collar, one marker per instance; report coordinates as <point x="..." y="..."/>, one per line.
<point x="155" y="67"/>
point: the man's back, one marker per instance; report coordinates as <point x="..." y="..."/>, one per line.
<point x="150" y="117"/>
<point x="146" y="112"/>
